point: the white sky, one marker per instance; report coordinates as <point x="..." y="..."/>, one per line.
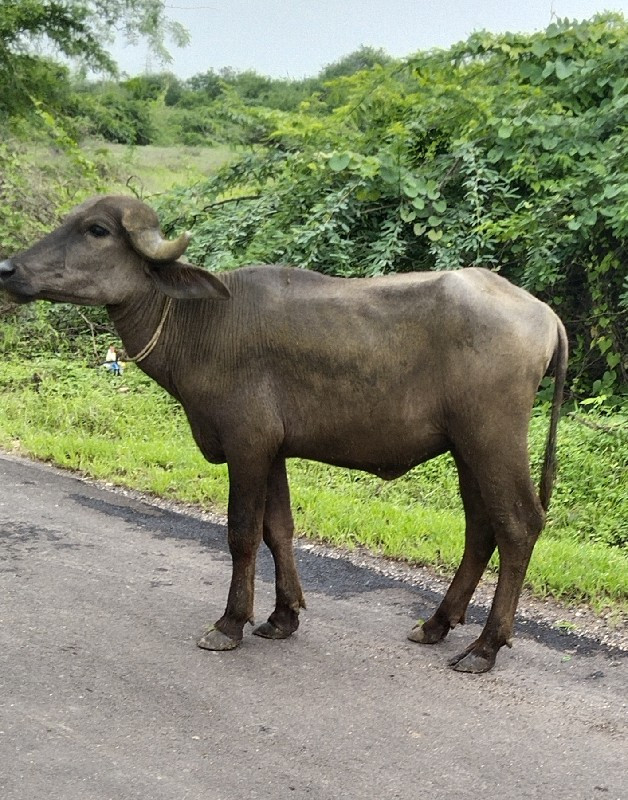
<point x="297" y="38"/>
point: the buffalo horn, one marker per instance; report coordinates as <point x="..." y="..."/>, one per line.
<point x="151" y="244"/>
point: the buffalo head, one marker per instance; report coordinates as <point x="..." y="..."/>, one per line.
<point x="106" y="252"/>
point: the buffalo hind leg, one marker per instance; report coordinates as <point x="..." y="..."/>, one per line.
<point x="278" y="534"/>
<point x="247" y="497"/>
<point x="517" y="520"/>
<point x="478" y="548"/>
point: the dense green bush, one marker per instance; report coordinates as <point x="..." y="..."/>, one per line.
<point x="506" y="151"/>
<point x="39" y="181"/>
<point x="113" y="112"/>
<point x="214" y="106"/>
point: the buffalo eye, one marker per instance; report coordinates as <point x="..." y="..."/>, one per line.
<point x="98" y="231"/>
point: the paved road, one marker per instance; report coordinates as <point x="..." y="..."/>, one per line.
<point x="104" y="694"/>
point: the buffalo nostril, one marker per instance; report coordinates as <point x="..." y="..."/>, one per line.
<point x="6" y="269"/>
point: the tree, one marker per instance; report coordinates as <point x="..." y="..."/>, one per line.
<point x="363" y="58"/>
<point x="207" y="86"/>
<point x="78" y="30"/>
<point x="36" y="88"/>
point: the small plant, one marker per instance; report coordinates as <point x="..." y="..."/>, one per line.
<point x="565" y="625"/>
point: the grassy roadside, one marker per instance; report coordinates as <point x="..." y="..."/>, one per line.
<point x="129" y="432"/>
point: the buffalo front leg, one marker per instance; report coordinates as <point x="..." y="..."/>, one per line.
<point x="278" y="530"/>
<point x="247" y="496"/>
<point x="478" y="548"/>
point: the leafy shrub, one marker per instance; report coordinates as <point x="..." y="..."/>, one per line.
<point x="504" y="151"/>
<point x="114" y="114"/>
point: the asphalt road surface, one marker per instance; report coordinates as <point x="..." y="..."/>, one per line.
<point x="104" y="694"/>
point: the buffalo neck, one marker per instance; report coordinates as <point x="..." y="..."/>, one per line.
<point x="189" y="336"/>
<point x="137" y="321"/>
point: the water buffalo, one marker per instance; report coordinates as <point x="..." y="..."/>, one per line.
<point x="377" y="374"/>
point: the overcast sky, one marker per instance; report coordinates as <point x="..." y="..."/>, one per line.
<point x="297" y="38"/>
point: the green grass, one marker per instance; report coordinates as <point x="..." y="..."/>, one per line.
<point x="147" y="170"/>
<point x="150" y="169"/>
<point x="40" y="183"/>
<point x="129" y="432"/>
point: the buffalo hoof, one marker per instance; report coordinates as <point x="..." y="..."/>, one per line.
<point x="472" y="662"/>
<point x="423" y="634"/>
<point x="269" y="631"/>
<point x="213" y="639"/>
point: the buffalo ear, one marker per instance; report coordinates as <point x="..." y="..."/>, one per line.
<point x="185" y="282"/>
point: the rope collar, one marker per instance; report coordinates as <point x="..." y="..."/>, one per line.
<point x="148" y="349"/>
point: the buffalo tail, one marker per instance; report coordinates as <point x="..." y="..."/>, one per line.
<point x="559" y="368"/>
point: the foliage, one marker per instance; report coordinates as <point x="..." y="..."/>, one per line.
<point x="590" y="497"/>
<point x="83" y="29"/>
<point x="65" y="330"/>
<point x="113" y="112"/>
<point x="210" y="107"/>
<point x="38" y="184"/>
<point x="508" y="152"/>
<point x="80" y="31"/>
<point x="250" y="87"/>
<point x="364" y="57"/>
<point x="128" y="431"/>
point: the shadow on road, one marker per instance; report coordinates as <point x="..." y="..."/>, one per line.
<point x="336" y="577"/>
